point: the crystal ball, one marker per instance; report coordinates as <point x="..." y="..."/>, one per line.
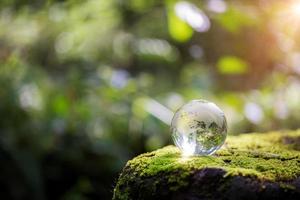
<point x="199" y="128"/>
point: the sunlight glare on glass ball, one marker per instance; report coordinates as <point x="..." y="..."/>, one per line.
<point x="199" y="128"/>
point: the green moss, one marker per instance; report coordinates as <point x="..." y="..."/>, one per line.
<point x="270" y="156"/>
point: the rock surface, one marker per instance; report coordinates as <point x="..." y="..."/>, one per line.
<point x="249" y="166"/>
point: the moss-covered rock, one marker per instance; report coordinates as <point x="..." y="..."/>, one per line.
<point x="249" y="166"/>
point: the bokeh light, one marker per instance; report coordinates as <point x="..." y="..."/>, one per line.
<point x="87" y="85"/>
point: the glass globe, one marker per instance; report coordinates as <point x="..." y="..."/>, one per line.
<point x="199" y="128"/>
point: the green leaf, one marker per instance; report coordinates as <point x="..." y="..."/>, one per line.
<point x="178" y="29"/>
<point x="232" y="65"/>
<point x="233" y="20"/>
<point x="60" y="105"/>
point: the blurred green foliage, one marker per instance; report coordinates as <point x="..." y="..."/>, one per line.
<point x="86" y="85"/>
<point x="232" y="65"/>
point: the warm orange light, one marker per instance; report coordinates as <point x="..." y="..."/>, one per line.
<point x="286" y="23"/>
<point x="295" y="9"/>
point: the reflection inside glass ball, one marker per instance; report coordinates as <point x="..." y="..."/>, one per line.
<point x="199" y="128"/>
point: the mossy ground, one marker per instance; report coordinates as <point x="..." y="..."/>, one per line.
<point x="272" y="157"/>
